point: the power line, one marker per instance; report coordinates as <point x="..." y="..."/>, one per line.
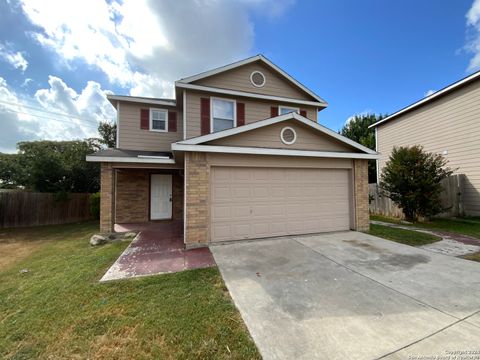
<point x="48" y="111"/>
<point x="51" y="119"/>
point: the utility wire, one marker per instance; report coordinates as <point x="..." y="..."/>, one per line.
<point x="52" y="119"/>
<point x="48" y="111"/>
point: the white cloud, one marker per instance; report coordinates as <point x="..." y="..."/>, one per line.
<point x="14" y="58"/>
<point x="55" y="113"/>
<point x="145" y="45"/>
<point x="362" y="113"/>
<point x="473" y="45"/>
<point x="429" y="92"/>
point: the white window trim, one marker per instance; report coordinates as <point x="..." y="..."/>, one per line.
<point x="294" y="135"/>
<point x="151" y="120"/>
<point x="234" y="111"/>
<point x="287" y="107"/>
<point x="264" y="78"/>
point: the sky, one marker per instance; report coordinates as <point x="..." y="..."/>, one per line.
<point x="60" y="58"/>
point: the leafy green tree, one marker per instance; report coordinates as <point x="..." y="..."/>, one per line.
<point x="411" y="178"/>
<point x="51" y="166"/>
<point x="108" y="133"/>
<point x="357" y="130"/>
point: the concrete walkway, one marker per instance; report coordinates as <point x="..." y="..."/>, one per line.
<point x="157" y="249"/>
<point x="351" y="295"/>
<point x="452" y="244"/>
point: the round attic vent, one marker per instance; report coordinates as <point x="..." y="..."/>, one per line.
<point x="257" y="79"/>
<point x="288" y="135"/>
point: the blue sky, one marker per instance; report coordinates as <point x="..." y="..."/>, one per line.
<point x="59" y="59"/>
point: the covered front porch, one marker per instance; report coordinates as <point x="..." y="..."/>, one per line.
<point x="139" y="188"/>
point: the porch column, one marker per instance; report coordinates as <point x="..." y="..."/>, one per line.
<point x="107" y="198"/>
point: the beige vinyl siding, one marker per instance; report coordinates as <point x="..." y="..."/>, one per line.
<point x="133" y="138"/>
<point x="269" y="137"/>
<point x="451" y="123"/>
<point x="239" y="79"/>
<point x="218" y="159"/>
<point x="255" y="110"/>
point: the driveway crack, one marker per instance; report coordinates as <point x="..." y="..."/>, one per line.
<point x="430" y="335"/>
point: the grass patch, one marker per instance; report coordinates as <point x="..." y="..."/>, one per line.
<point x="473" y="257"/>
<point x="58" y="309"/>
<point x="467" y="226"/>
<point x="407" y="237"/>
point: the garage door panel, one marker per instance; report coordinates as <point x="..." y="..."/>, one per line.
<point x="249" y="203"/>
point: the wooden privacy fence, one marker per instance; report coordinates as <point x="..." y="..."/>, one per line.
<point x="451" y="198"/>
<point x="20" y="209"/>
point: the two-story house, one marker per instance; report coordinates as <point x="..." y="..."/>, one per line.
<point x="238" y="154"/>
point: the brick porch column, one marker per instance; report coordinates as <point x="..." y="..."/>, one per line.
<point x="196" y="199"/>
<point x="107" y="198"/>
<point x="362" y="219"/>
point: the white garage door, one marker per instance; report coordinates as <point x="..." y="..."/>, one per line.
<point x="249" y="203"/>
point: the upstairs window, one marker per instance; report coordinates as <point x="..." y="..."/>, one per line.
<point x="223" y="114"/>
<point x="158" y="120"/>
<point x="285" y="110"/>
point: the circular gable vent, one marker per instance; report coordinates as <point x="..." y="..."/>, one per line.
<point x="288" y="135"/>
<point x="257" y="79"/>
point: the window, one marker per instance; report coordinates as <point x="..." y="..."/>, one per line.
<point x="285" y="110"/>
<point x="223" y="114"/>
<point x="158" y="120"/>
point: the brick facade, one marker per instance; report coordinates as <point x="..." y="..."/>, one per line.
<point x="132" y="198"/>
<point x="125" y="195"/>
<point x="362" y="220"/>
<point x="107" y="198"/>
<point x="197" y="178"/>
<point x="133" y="195"/>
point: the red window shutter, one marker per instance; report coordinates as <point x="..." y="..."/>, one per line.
<point x="274" y="111"/>
<point x="205" y="116"/>
<point x="303" y="112"/>
<point x="144" y="119"/>
<point x="172" y="121"/>
<point x="240" y="114"/>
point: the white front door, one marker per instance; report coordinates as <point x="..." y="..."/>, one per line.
<point x="160" y="197"/>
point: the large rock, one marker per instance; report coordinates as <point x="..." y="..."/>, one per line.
<point x="97" y="240"/>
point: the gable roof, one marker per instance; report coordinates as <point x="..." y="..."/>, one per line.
<point x="249" y="60"/>
<point x="255" y="125"/>
<point x="428" y="99"/>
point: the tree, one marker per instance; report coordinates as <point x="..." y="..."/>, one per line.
<point x="411" y="178"/>
<point x="357" y="130"/>
<point x="108" y="133"/>
<point x="51" y="166"/>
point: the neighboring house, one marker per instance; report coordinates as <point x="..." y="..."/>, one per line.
<point x="237" y="155"/>
<point x="446" y="122"/>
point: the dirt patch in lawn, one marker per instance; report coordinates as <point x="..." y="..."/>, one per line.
<point x="13" y="252"/>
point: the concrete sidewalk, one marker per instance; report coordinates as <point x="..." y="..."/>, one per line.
<point x="452" y="244"/>
<point x="351" y="296"/>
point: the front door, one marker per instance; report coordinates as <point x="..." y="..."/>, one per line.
<point x="160" y="196"/>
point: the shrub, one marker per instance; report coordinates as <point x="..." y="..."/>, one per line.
<point x="411" y="178"/>
<point x="95" y="205"/>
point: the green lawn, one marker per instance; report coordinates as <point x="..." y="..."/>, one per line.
<point x="473" y="257"/>
<point x="407" y="237"/>
<point x="58" y="309"/>
<point x="467" y="226"/>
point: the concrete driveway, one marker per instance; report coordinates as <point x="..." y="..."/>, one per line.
<point x="352" y="296"/>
